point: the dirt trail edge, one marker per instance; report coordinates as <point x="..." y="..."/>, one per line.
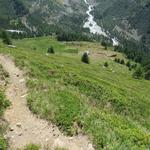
<point x="25" y="127"/>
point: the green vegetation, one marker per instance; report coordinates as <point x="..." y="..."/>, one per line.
<point x="4" y="103"/>
<point x="32" y="147"/>
<point x="85" y="58"/>
<point x="128" y="64"/>
<point x="65" y="36"/>
<point x="122" y="62"/>
<point x="56" y="19"/>
<point x="138" y="73"/>
<point x="51" y="50"/>
<point x="111" y="14"/>
<point x="106" y="64"/>
<point x="60" y="149"/>
<point x="38" y="147"/>
<point x="6" y="38"/>
<point x="136" y="45"/>
<point x="108" y="105"/>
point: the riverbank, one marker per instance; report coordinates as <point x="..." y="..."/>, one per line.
<point x="94" y="27"/>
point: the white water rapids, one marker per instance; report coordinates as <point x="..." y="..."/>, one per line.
<point x="93" y="26"/>
<point x="15" y="31"/>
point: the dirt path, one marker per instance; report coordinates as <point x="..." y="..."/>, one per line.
<point x="25" y="127"/>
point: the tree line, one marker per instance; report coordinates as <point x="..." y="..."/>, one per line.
<point x="139" y="55"/>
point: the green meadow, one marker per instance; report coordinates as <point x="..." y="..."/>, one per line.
<point x="4" y="103"/>
<point x="105" y="103"/>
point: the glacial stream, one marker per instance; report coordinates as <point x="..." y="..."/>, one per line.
<point x="93" y="26"/>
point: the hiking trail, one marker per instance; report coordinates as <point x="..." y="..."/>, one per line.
<point x="25" y="127"/>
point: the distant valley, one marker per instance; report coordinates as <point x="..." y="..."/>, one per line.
<point x="123" y="19"/>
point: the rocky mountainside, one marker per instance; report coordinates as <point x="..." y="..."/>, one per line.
<point x="42" y="15"/>
<point x="126" y="19"/>
<point x="123" y="19"/>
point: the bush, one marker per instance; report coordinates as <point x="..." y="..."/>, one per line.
<point x="133" y="66"/>
<point x="3" y="103"/>
<point x="50" y="50"/>
<point x="122" y="62"/>
<point x="130" y="68"/>
<point x="60" y="148"/>
<point x="72" y="36"/>
<point x="138" y="73"/>
<point x="147" y="75"/>
<point x="103" y="43"/>
<point x="3" y="145"/>
<point x="117" y="60"/>
<point x="32" y="147"/>
<point x="106" y="64"/>
<point x="128" y="64"/>
<point x="6" y="39"/>
<point x="85" y="58"/>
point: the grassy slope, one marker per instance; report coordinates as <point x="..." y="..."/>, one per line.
<point x="111" y="107"/>
<point x="114" y="12"/>
<point x="3" y="105"/>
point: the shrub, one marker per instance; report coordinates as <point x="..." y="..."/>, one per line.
<point x="32" y="147"/>
<point x="128" y="64"/>
<point x="50" y="50"/>
<point x="6" y="39"/>
<point x="103" y="43"/>
<point x="147" y="75"/>
<point x="133" y="66"/>
<point x="85" y="58"/>
<point x="130" y="68"/>
<point x="106" y="64"/>
<point x="3" y="145"/>
<point x="60" y="148"/>
<point x="3" y="103"/>
<point x="122" y="62"/>
<point x="117" y="60"/>
<point x="138" y="73"/>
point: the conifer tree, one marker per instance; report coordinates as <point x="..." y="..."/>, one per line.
<point x="85" y="58"/>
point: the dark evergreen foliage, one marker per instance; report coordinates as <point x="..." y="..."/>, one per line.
<point x="122" y="62"/>
<point x="66" y="36"/>
<point x="117" y="60"/>
<point x="20" y="8"/>
<point x="106" y="64"/>
<point x="128" y="64"/>
<point x="51" y="50"/>
<point x="85" y="58"/>
<point x="138" y="73"/>
<point x="5" y="37"/>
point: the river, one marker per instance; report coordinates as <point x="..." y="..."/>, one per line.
<point x="94" y="27"/>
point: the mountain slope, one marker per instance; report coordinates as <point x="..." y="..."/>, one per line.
<point x="31" y="129"/>
<point x="41" y="15"/>
<point x="125" y="19"/>
<point x="106" y="104"/>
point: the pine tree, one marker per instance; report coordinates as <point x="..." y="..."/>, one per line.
<point x="122" y="62"/>
<point x="106" y="64"/>
<point x="138" y="73"/>
<point x="85" y="58"/>
<point x="128" y="64"/>
<point x="50" y="50"/>
<point x="6" y="39"/>
<point x="147" y="75"/>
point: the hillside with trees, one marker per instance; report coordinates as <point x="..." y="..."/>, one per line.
<point x="94" y="95"/>
<point x="66" y="87"/>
